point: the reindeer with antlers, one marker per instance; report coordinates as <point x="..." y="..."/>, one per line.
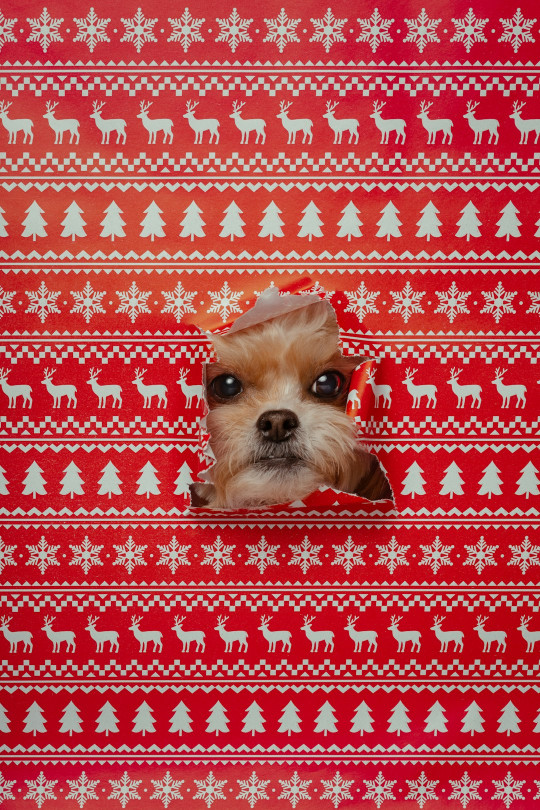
<point x="191" y="392"/>
<point x="419" y="391"/>
<point x="530" y="636"/>
<point x="148" y="392"/>
<point x="525" y="125"/>
<point x="447" y="636"/>
<point x="480" y="125"/>
<point x="16" y="637"/>
<point x="66" y="637"/>
<point x="14" y="125"/>
<point x="247" y="125"/>
<point x="384" y="391"/>
<point x="489" y="637"/>
<point x="231" y="636"/>
<point x="103" y="392"/>
<point x="359" y="636"/>
<point x="341" y="125"/>
<point x="294" y="125"/>
<point x="13" y="392"/>
<point x="201" y="125"/>
<point x="464" y="391"/>
<point x="387" y="125"/>
<point x="274" y="637"/>
<point x="508" y="391"/>
<point x="145" y="637"/>
<point x="61" y="125"/>
<point x="59" y="391"/>
<point x="108" y="125"/>
<point x="434" y="125"/>
<point x="155" y="125"/>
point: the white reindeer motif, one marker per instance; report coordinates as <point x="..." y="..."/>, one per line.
<point x="230" y="636"/>
<point x="108" y="125"/>
<point x="155" y="125"/>
<point x="433" y="125"/>
<point x="294" y="125"/>
<point x="379" y="391"/>
<point x="14" y="125"/>
<point x="187" y="636"/>
<point x="59" y="391"/>
<point x="446" y="636"/>
<point x="103" y="392"/>
<point x="403" y="636"/>
<point x="190" y="391"/>
<point x="491" y="636"/>
<point x="16" y="636"/>
<point x="67" y="636"/>
<point x="509" y="391"/>
<point x="530" y="636"/>
<point x="316" y="636"/>
<point x="525" y="125"/>
<point x="480" y="125"/>
<point x="341" y="125"/>
<point x="246" y="125"/>
<point x="200" y="125"/>
<point x="419" y="391"/>
<point x="144" y="637"/>
<point x="275" y="636"/>
<point x="14" y="391"/>
<point x="359" y="636"/>
<point x="148" y="392"/>
<point x="61" y="125"/>
<point x="101" y="637"/>
<point x="464" y="391"/>
<point x="353" y="399"/>
<point x="387" y="125"/>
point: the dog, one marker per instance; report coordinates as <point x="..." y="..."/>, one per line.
<point x="277" y="423"/>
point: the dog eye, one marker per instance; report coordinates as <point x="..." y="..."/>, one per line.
<point x="328" y="384"/>
<point x="226" y="386"/>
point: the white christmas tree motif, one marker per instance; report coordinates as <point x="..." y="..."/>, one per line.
<point x="179" y="302"/>
<point x="186" y="30"/>
<point x="173" y="555"/>
<point x="407" y="302"/>
<point x="436" y="719"/>
<point x="6" y="555"/>
<point x="490" y="483"/>
<point x="5" y="302"/>
<point x="225" y="302"/>
<point x="310" y="224"/>
<point x="413" y="483"/>
<point x="139" y="30"/>
<point x="180" y="720"/>
<point x="362" y="301"/>
<point x="536" y="730"/>
<point x="422" y="790"/>
<point x="436" y="555"/>
<point x="124" y="789"/>
<point x="480" y="555"/>
<point x="40" y="789"/>
<point x="73" y="222"/>
<point x="71" y="720"/>
<point x="72" y="481"/>
<point x="262" y="555"/>
<point x="184" y="480"/>
<point x="42" y="555"/>
<point x="253" y="720"/>
<point x="392" y="555"/>
<point x="469" y="30"/>
<point x="348" y="555"/>
<point x="107" y="721"/>
<point x="271" y="223"/>
<point x="34" y="223"/>
<point x="218" y="554"/>
<point x="508" y="789"/>
<point x="45" y="29"/>
<point x="253" y="789"/>
<point x="3" y="220"/>
<point x="193" y="223"/>
<point x="452" y="481"/>
<point x="535" y="298"/>
<point x="326" y="720"/>
<point x="305" y="554"/>
<point x="289" y="722"/>
<point x="6" y="35"/>
<point x="109" y="481"/>
<point x="379" y="789"/>
<point x="349" y="224"/>
<point x="234" y="30"/>
<point x="34" y="720"/>
<point x="88" y="302"/>
<point x="144" y="720"/>
<point x="528" y="481"/>
<point x="468" y="222"/>
<point x="130" y="555"/>
<point x="498" y="302"/>
<point x="82" y="789"/>
<point x="525" y="555"/>
<point x="294" y="789"/>
<point x="209" y="789"/>
<point x="281" y="30"/>
<point x="328" y="29"/>
<point x="232" y="223"/>
<point x="5" y="785"/>
<point x="375" y="29"/>
<point x="42" y="302"/>
<point x="362" y="721"/>
<point x="217" y="720"/>
<point x="421" y="31"/>
<point x="509" y="720"/>
<point x="152" y="224"/>
<point x="399" y="721"/>
<point x="465" y="789"/>
<point x="453" y="302"/>
<point x="167" y="789"/>
<point x="133" y="302"/>
<point x="4" y="724"/>
<point x="508" y="223"/>
<point x="428" y="224"/>
<point x="473" y="721"/>
<point x="337" y="789"/>
<point x="148" y="481"/>
<point x="517" y="30"/>
<point x="113" y="224"/>
<point x="389" y="222"/>
<point x="3" y="483"/>
<point x="92" y="29"/>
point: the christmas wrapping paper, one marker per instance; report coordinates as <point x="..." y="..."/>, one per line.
<point x="161" y="166"/>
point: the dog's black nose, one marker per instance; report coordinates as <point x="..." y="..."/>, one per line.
<point x="276" y="426"/>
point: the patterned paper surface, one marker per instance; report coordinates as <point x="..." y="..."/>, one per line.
<point x="161" y="166"/>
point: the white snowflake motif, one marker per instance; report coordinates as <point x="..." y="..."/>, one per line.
<point x="5" y="299"/>
<point x="525" y="555"/>
<point x="40" y="789"/>
<point x="167" y="789"/>
<point x="375" y="30"/>
<point x="139" y="29"/>
<point x="218" y="555"/>
<point x="178" y="302"/>
<point x="210" y="789"/>
<point x="498" y="302"/>
<point x="392" y="555"/>
<point x="436" y="555"/>
<point x="45" y="29"/>
<point x="225" y="302"/>
<point x="173" y="555"/>
<point x="42" y="302"/>
<point x="262" y="555"/>
<point x="294" y="789"/>
<point x="82" y="789"/>
<point x="185" y="29"/>
<point x="517" y="30"/>
<point x="133" y="302"/>
<point x="328" y="30"/>
<point x="348" y="555"/>
<point x="536" y="782"/>
<point x="508" y="789"/>
<point x="233" y="30"/>
<point x="86" y="555"/>
<point x="88" y="302"/>
<point x="92" y="29"/>
<point x="43" y="555"/>
<point x="362" y="301"/>
<point x="422" y="30"/>
<point x="465" y="789"/>
<point x="407" y="302"/>
<point x="535" y="303"/>
<point x="124" y="789"/>
<point x="5" y="788"/>
<point x="253" y="789"/>
<point x="421" y="790"/>
<point x="469" y="30"/>
<point x="281" y="30"/>
<point x="6" y="34"/>
<point x="480" y="555"/>
<point x="305" y="555"/>
<point x="6" y="555"/>
<point x="453" y="302"/>
<point x="379" y="789"/>
<point x="130" y="555"/>
<point x="336" y="789"/>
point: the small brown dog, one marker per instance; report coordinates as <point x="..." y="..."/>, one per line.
<point x="277" y="422"/>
